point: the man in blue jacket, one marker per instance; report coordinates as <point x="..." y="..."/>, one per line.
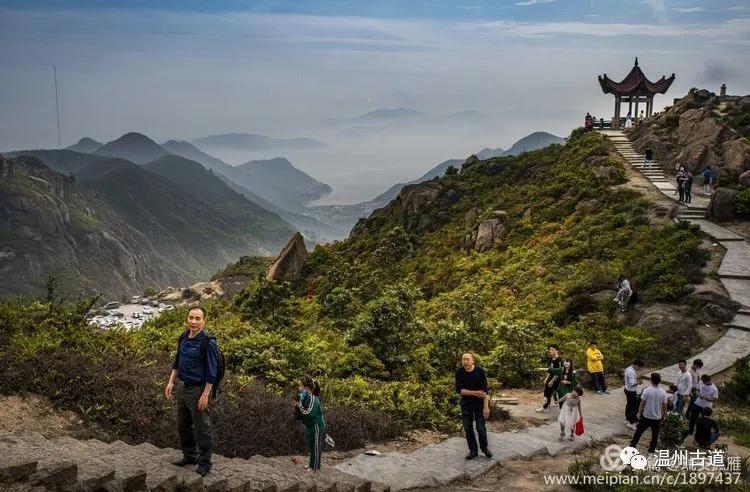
<point x="194" y="373"/>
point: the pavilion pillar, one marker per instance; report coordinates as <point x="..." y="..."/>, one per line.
<point x="650" y="107"/>
<point x="616" y="119"/>
<point x="630" y="105"/>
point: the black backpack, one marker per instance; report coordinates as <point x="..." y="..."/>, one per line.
<point x="220" y="363"/>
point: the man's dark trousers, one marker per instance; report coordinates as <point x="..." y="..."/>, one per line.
<point x="631" y="406"/>
<point x="469" y="415"/>
<point x="644" y="424"/>
<point x="194" y="427"/>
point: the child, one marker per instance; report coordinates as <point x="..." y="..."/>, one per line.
<point x="706" y="430"/>
<point x="311" y="414"/>
<point x="570" y="413"/>
<point x="671" y="397"/>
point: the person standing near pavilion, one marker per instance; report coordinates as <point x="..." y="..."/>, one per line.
<point x="471" y="384"/>
<point x="629" y="121"/>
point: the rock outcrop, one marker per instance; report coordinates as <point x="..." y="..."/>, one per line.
<point x="289" y="263"/>
<point x="414" y="198"/>
<point x="721" y="206"/>
<point x="489" y="232"/>
<point x="699" y="130"/>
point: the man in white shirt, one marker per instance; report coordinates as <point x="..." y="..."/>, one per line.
<point x="695" y="373"/>
<point x="708" y="393"/>
<point x="652" y="411"/>
<point x="631" y="386"/>
<point x="684" y="386"/>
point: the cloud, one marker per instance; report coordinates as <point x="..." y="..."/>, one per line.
<point x="719" y="71"/>
<point x="738" y="8"/>
<point x="658" y="6"/>
<point x="526" y="3"/>
<point x="690" y="9"/>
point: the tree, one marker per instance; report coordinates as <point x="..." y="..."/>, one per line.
<point x="266" y="301"/>
<point x="388" y="326"/>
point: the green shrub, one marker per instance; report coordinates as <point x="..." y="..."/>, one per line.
<point x="742" y="203"/>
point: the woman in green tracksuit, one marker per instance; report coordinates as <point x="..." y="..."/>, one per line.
<point x="567" y="377"/>
<point x="311" y="414"/>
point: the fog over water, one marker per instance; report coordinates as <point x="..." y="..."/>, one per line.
<point x="482" y="74"/>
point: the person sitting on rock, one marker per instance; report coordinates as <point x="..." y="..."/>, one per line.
<point x="309" y="409"/>
<point x="624" y="291"/>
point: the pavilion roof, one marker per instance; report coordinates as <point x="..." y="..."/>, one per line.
<point x="635" y="84"/>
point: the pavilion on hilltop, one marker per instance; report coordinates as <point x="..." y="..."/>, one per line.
<point x="634" y="88"/>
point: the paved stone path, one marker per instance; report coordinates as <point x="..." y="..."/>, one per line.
<point x="32" y="462"/>
<point x="442" y="463"/>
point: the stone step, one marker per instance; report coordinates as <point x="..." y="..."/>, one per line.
<point x="323" y="482"/>
<point x="19" y="460"/>
<point x="160" y="473"/>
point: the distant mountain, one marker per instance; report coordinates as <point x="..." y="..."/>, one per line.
<point x="533" y="141"/>
<point x="279" y="182"/>
<point x="85" y="145"/>
<point x="63" y="161"/>
<point x="382" y="115"/>
<point x="439" y="170"/>
<point x="251" y="142"/>
<point x="190" y="151"/>
<point x="103" y="166"/>
<point x="487" y="153"/>
<point x="134" y="147"/>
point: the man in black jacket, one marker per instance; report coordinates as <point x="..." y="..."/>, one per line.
<point x="471" y="384"/>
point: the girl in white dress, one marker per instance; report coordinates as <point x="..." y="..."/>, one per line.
<point x="570" y="412"/>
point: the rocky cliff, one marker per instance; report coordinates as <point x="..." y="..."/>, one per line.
<point x="698" y="130"/>
<point x="51" y="224"/>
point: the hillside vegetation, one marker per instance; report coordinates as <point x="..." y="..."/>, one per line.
<point x="382" y="317"/>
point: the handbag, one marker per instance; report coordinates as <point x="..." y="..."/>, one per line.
<point x="579" y="427"/>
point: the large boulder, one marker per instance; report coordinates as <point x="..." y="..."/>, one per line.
<point x="737" y="155"/>
<point x="607" y="175"/>
<point x="490" y="231"/>
<point x="721" y="206"/>
<point x="714" y="307"/>
<point x="699" y="136"/>
<point x="470" y="161"/>
<point x="414" y="197"/>
<point x="290" y="261"/>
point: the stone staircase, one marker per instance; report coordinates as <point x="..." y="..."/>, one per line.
<point x="33" y="462"/>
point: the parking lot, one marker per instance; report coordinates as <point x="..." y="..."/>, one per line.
<point x="127" y="320"/>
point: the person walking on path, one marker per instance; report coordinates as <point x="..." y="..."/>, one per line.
<point x="652" y="410"/>
<point x="629" y="121"/>
<point x="695" y="375"/>
<point x="570" y="413"/>
<point x="706" y="429"/>
<point x="595" y="367"/>
<point x="648" y="158"/>
<point x="552" y="380"/>
<point x="684" y="386"/>
<point x="471" y="384"/>
<point x="708" y="393"/>
<point x="194" y="373"/>
<point x="310" y="411"/>
<point x="708" y="177"/>
<point x="568" y="380"/>
<point x="624" y="291"/>
<point x="631" y="395"/>
<point x="688" y="187"/>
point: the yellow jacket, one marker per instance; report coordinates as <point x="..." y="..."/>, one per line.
<point x="594" y="359"/>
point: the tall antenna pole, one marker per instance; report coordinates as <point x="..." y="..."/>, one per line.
<point x="57" y="107"/>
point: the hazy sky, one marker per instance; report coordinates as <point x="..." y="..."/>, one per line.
<point x="184" y="69"/>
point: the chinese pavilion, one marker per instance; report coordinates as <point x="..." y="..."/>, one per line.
<point x="634" y="88"/>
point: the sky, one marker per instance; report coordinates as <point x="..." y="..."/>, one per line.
<point x="186" y="69"/>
